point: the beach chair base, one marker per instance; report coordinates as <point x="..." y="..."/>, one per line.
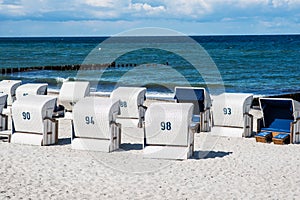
<point x="95" y="144"/>
<point x="32" y="139"/>
<point x="261" y="139"/>
<point x="227" y="131"/>
<point x="6" y="134"/>
<point x="168" y="152"/>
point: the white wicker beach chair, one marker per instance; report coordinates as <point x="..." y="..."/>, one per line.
<point x="169" y="131"/>
<point x="131" y="104"/>
<point x="94" y="124"/>
<point x="230" y="115"/>
<point x="280" y="122"/>
<point x="70" y="93"/>
<point x="32" y="120"/>
<point x="31" y="89"/>
<point x="202" y="104"/>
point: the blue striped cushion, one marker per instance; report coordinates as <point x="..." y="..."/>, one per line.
<point x="281" y="136"/>
<point x="264" y="134"/>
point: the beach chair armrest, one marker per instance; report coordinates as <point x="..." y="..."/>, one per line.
<point x="194" y="127"/>
<point x="248" y="125"/>
<point x="296" y="120"/>
<point x="2" y="115"/>
<point x="142" y="111"/>
<point x="142" y="106"/>
<point x="259" y="124"/>
<point x="50" y="119"/>
<point x="295" y="130"/>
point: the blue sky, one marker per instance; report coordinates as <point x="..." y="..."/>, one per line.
<point x="110" y="17"/>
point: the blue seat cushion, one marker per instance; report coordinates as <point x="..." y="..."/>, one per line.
<point x="264" y="134"/>
<point x="196" y="118"/>
<point x="281" y="136"/>
<point x="279" y="125"/>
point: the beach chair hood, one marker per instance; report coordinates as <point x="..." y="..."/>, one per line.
<point x="229" y="109"/>
<point x="93" y="117"/>
<point x="130" y="99"/>
<point x="71" y="92"/>
<point x="31" y="89"/>
<point x="30" y="111"/>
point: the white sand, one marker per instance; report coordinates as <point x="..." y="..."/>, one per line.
<point x="222" y="168"/>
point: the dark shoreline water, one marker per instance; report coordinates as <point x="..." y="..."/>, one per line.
<point x="259" y="64"/>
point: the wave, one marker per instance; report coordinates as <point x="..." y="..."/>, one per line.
<point x="61" y="80"/>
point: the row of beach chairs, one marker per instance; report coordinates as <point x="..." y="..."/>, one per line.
<point x="29" y="116"/>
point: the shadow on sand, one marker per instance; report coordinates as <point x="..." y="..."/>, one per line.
<point x="209" y="154"/>
<point x="64" y="141"/>
<point x="130" y="147"/>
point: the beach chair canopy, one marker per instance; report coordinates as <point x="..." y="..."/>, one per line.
<point x="195" y="95"/>
<point x="71" y="92"/>
<point x="278" y="113"/>
<point x="94" y="124"/>
<point x="93" y="116"/>
<point x="9" y="87"/>
<point x="31" y="89"/>
<point x="229" y="109"/>
<point x="131" y="98"/>
<point x="29" y="112"/>
<point x="168" y="123"/>
<point x="169" y="131"/>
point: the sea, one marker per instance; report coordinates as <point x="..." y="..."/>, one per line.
<point x="258" y="64"/>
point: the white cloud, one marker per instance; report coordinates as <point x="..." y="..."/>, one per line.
<point x="102" y="3"/>
<point x="130" y="9"/>
<point x="263" y="12"/>
<point x="144" y="7"/>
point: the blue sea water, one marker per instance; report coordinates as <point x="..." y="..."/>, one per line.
<point x="259" y="64"/>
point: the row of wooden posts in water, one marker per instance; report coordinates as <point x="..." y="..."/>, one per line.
<point x="10" y="70"/>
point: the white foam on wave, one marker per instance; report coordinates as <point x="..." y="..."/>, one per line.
<point x="61" y="80"/>
<point x="149" y="95"/>
<point x="99" y="93"/>
<point x="158" y="95"/>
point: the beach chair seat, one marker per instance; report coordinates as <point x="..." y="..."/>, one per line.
<point x="31" y="89"/>
<point x="169" y="131"/>
<point x="230" y="115"/>
<point x="70" y="93"/>
<point x="280" y="117"/>
<point x="94" y="124"/>
<point x="200" y="98"/>
<point x="131" y="104"/>
<point x="32" y="120"/>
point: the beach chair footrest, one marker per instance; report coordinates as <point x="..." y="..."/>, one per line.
<point x="281" y="139"/>
<point x="264" y="137"/>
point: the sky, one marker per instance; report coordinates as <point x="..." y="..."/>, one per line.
<point x="111" y="17"/>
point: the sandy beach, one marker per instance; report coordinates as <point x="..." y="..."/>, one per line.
<point x="222" y="168"/>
